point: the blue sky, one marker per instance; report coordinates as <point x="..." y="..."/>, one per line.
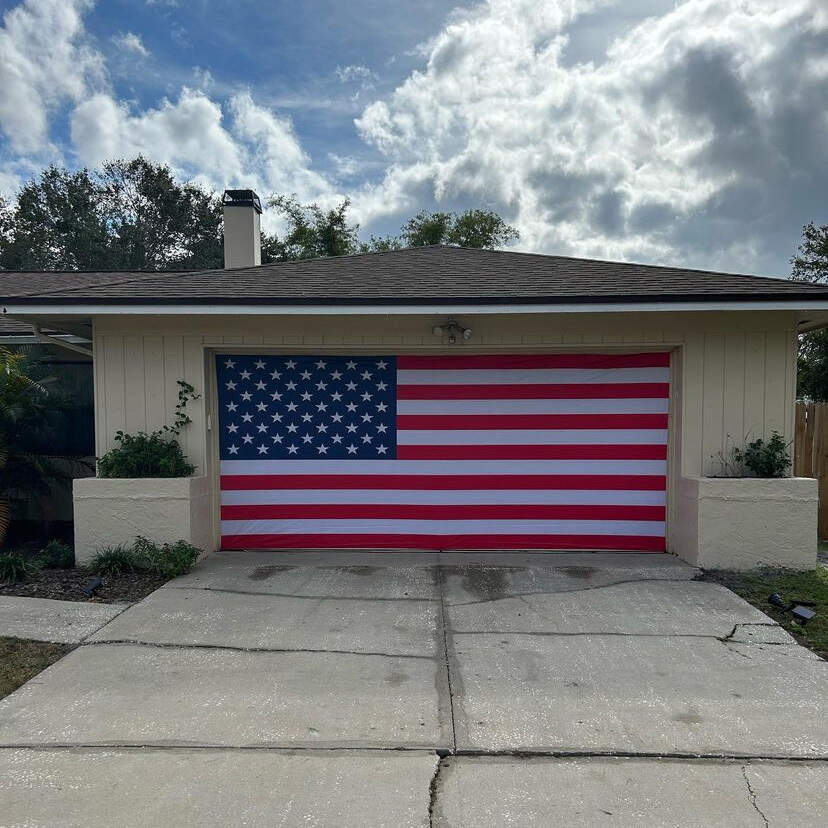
<point x="687" y="132"/>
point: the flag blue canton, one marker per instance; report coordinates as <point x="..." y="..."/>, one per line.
<point x="307" y="407"/>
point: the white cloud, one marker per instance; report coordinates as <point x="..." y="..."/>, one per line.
<point x="44" y="61"/>
<point x="131" y="42"/>
<point x="679" y="145"/>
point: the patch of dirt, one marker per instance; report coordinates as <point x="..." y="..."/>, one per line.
<point x="584" y="572"/>
<point x="69" y="585"/>
<point x="354" y="570"/>
<point x="21" y="659"/>
<point x="262" y="573"/>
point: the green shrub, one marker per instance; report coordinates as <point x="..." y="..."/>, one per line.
<point x="57" y="555"/>
<point x="145" y="455"/>
<point x="16" y="567"/>
<point x="771" y="458"/>
<point x="115" y="560"/>
<point x="170" y="559"/>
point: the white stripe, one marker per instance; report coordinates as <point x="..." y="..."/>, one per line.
<point x="407" y="467"/>
<point x="529" y="437"/>
<point x="514" y="376"/>
<point x="652" y="528"/>
<point x="443" y="497"/>
<point x="649" y="405"/>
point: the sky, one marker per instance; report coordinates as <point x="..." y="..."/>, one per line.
<point x="685" y="132"/>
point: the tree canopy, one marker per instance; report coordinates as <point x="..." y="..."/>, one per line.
<point x="135" y="215"/>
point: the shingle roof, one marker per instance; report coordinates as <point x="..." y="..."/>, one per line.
<point x="409" y="276"/>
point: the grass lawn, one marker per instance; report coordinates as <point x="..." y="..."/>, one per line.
<point x="756" y="585"/>
<point x="20" y="659"/>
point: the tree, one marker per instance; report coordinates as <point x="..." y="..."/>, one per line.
<point x="130" y="215"/>
<point x="472" y="228"/>
<point x="811" y="265"/>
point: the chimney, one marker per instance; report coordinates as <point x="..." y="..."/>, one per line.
<point x="242" y="228"/>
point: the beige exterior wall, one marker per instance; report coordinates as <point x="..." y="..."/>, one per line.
<point x="734" y="373"/>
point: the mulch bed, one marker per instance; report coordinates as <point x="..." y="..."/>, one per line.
<point x="69" y="585"/>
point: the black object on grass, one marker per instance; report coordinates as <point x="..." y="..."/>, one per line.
<point x="93" y="586"/>
<point x="778" y="601"/>
<point x="802" y="615"/>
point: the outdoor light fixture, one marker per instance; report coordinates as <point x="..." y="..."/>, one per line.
<point x="452" y="329"/>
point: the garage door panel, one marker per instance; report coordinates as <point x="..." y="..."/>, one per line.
<point x="564" y="451"/>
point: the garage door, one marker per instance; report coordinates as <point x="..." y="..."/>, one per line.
<point x="564" y="451"/>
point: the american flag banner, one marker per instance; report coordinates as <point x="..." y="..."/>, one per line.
<point x="535" y="451"/>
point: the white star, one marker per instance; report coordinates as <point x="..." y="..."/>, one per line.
<point x="263" y="449"/>
<point x="228" y="363"/>
<point x="321" y="364"/>
<point x="366" y="396"/>
<point x="351" y="386"/>
<point x="277" y="418"/>
<point x="291" y="386"/>
<point x="292" y="449"/>
<point x="381" y="449"/>
<point x="275" y="396"/>
<point x="366" y="375"/>
<point x="306" y="396"/>
<point x="350" y="428"/>
<point x="305" y="375"/>
<point x="293" y="428"/>
<point x="260" y="386"/>
<point x="247" y="438"/>
<point x="382" y="428"/>
<point x="234" y="449"/>
<point x="246" y="395"/>
<point x="290" y="364"/>
<point x="351" y="449"/>
<point x="292" y="406"/>
<point x="277" y="438"/>
<point x="336" y="396"/>
<point x="245" y="374"/>
<point x="231" y="406"/>
<point x="351" y="407"/>
<point x="262" y="427"/>
<point x="337" y="438"/>
<point x="337" y="418"/>
<point x="321" y="427"/>
<point x="259" y="363"/>
<point x="275" y="375"/>
<point x="306" y="418"/>
<point x="231" y="386"/>
<point x="247" y="417"/>
<point x="335" y="375"/>
<point x="381" y="406"/>
<point x="381" y="386"/>
<point x="366" y="438"/>
<point x="382" y="364"/>
<point x="306" y="438"/>
<point x="321" y="386"/>
<point x="366" y="418"/>
<point x="261" y="407"/>
<point x="232" y="428"/>
<point x="350" y="365"/>
<point x="322" y="449"/>
<point x="321" y="406"/>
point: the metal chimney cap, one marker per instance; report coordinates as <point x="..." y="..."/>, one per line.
<point x="241" y="198"/>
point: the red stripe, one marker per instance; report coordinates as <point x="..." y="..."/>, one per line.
<point x="469" y="422"/>
<point x="537" y="391"/>
<point x="529" y="361"/>
<point x="534" y="452"/>
<point x="584" y="542"/>
<point x="424" y="482"/>
<point x="355" y="511"/>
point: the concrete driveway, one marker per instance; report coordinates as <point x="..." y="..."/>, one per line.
<point x="374" y="689"/>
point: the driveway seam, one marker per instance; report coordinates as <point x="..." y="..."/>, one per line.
<point x="291" y="595"/>
<point x="107" y="623"/>
<point x="440" y="582"/>
<point x="597" y="633"/>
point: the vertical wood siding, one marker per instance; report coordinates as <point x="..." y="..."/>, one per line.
<point x="735" y="376"/>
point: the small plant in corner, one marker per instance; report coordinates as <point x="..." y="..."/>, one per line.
<point x="157" y="454"/>
<point x="115" y="560"/>
<point x="15" y="567"/>
<point x="759" y="458"/>
<point x="56" y="555"/>
<point x="168" y="560"/>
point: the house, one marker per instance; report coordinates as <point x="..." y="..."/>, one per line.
<point x="530" y="401"/>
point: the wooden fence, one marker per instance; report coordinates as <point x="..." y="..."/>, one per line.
<point x="811" y="452"/>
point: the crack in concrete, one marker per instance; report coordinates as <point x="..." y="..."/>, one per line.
<point x="600" y="633"/>
<point x="447" y="660"/>
<point x="302" y="597"/>
<point x="107" y="623"/>
<point x="752" y="797"/>
<point x="173" y="646"/>
<point x="433" y="792"/>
